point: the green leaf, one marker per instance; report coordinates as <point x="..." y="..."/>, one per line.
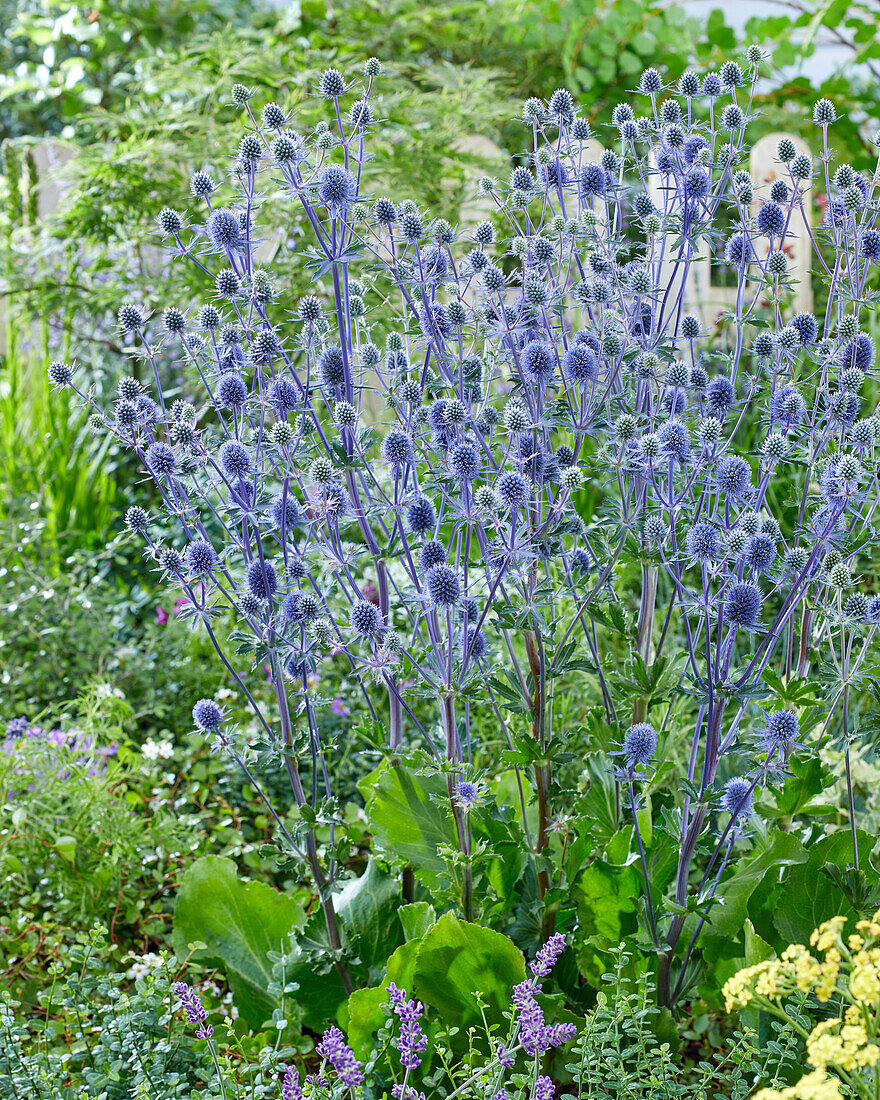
<point x="808" y="779"/>
<point x="367" y="910"/>
<point x="810" y="895"/>
<point x="66" y="847"/>
<point x="363" y="1014"/>
<point x="404" y="821"/>
<point x="416" y="919"/>
<point x="727" y="920"/>
<point x="460" y="964"/>
<point x="606" y="907"/>
<point x="241" y="922"/>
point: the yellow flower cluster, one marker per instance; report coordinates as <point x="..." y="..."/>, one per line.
<point x="847" y="1045"/>
<point x="835" y="1043"/>
<point x="815" y="1086"/>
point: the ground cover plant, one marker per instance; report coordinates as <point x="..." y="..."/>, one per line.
<point x="533" y="626"/>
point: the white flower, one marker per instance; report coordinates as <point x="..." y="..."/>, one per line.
<point x="165" y="750"/>
<point x="150" y="749"/>
<point x="107" y="691"/>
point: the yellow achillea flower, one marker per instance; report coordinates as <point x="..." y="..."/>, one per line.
<point x="864" y="980"/>
<point x="815" y="1086"/>
<point x="826" y="979"/>
<point x="870" y="927"/>
<point x="846" y="1046"/>
<point x="828" y="933"/>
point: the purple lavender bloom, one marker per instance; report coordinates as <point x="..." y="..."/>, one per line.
<point x="503" y="1057"/>
<point x="196" y="1013"/>
<point x="290" y="1087"/>
<point x="408" y="1093"/>
<point x="536" y="1035"/>
<point x="412" y="1041"/>
<point x="544" y="1089"/>
<point x="547" y="956"/>
<point x="336" y="1051"/>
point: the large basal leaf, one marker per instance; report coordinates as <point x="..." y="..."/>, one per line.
<point x="363" y="1015"/>
<point x="606" y="907"/>
<point x="452" y="968"/>
<point x="811" y="897"/>
<point x="240" y="922"/>
<point x="404" y="821"/>
<point x="367" y="908"/>
<point x="457" y="962"/>
<point x="728" y="919"/>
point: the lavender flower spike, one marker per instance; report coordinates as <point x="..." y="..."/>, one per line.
<point x="412" y="1041"/>
<point x="196" y="1013"/>
<point x="290" y="1088"/>
<point x="546" y="958"/>
<point x="336" y="1051"/>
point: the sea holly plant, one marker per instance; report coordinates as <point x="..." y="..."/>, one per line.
<point x="390" y="470"/>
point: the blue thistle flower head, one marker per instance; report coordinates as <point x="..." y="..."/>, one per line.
<point x="285" y="395"/>
<point x="262" y="581"/>
<point x="331" y="366"/>
<point x="580" y="363"/>
<point x="712" y="85"/>
<point x="512" y="488"/>
<point x="208" y="715"/>
<point x="397" y="449"/>
<point x="720" y="396"/>
<point x="743" y="605"/>
<point x="770" y="220"/>
<point x="703" y="542"/>
<point x="224" y="230"/>
<point x="235" y="458"/>
<point x="467" y="795"/>
<point x="858" y="353"/>
<point x="650" y="82"/>
<point x="870" y="244"/>
<point x="365" y="619"/>
<point x="285" y="511"/>
<point x="734" y="477"/>
<point x="676" y="439"/>
<point x="464" y="460"/>
<point x="443" y="584"/>
<point x="780" y="730"/>
<point x="331" y="84"/>
<point x="760" y="554"/>
<point x="421" y="516"/>
<point x="337" y="187"/>
<point x="806" y="327"/>
<point x="231" y="392"/>
<point x="432" y="553"/>
<point x="592" y="180"/>
<point x="739" y="251"/>
<point x="476" y="642"/>
<point x="201" y="557"/>
<point x="696" y="185"/>
<point x="538" y="359"/>
<point x="137" y="519"/>
<point x="737" y="797"/>
<point x="639" y="743"/>
<point x="161" y="458"/>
